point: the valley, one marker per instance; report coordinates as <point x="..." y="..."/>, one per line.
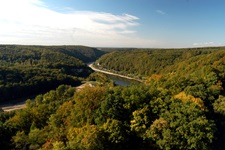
<point x="168" y="90"/>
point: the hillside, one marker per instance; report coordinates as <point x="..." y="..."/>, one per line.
<point x="83" y="53"/>
<point x="145" y="62"/>
<point x="28" y="70"/>
<point x="180" y="69"/>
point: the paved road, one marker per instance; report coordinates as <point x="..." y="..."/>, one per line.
<point x="115" y="74"/>
<point x="13" y="107"/>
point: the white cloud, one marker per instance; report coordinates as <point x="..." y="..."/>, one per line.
<point x="205" y="44"/>
<point x="160" y="12"/>
<point x="32" y="22"/>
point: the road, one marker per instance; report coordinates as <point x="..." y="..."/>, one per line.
<point x="115" y="74"/>
<point x="12" y="107"/>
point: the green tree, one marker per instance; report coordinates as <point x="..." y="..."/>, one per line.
<point x="116" y="134"/>
<point x="141" y="121"/>
<point x="184" y="126"/>
<point x="87" y="101"/>
<point x="111" y="107"/>
<point x="219" y="117"/>
<point x="36" y="138"/>
<point x="88" y="137"/>
<point x="219" y="105"/>
<point x="20" y="140"/>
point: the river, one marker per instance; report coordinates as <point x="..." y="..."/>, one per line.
<point x="120" y="81"/>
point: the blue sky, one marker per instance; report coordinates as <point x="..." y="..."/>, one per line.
<point x="113" y="23"/>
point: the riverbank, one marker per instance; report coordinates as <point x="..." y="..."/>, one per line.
<point x="114" y="74"/>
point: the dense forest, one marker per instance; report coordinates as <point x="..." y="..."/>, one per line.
<point x="142" y="63"/>
<point x="180" y="105"/>
<point x="26" y="70"/>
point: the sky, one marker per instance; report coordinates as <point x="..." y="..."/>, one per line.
<point x="113" y="23"/>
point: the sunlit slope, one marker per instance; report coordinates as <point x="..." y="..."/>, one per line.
<point x="144" y="63"/>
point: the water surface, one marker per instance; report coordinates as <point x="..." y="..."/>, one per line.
<point x="122" y="81"/>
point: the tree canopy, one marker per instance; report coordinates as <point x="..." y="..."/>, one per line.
<point x="29" y="70"/>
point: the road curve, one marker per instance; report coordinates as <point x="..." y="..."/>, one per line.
<point x="115" y="74"/>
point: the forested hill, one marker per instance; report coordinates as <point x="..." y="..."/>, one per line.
<point x="28" y="70"/>
<point x="144" y="63"/>
<point x="86" y="54"/>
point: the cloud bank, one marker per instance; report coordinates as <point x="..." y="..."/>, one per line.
<point x="32" y="22"/>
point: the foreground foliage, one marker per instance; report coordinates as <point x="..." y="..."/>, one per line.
<point x="106" y="117"/>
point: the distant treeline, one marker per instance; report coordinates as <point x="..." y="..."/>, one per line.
<point x="85" y="54"/>
<point x="108" y="50"/>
